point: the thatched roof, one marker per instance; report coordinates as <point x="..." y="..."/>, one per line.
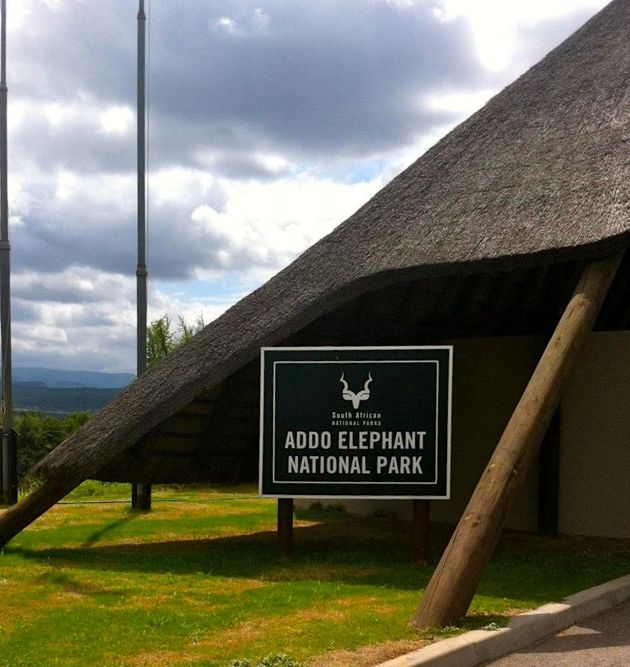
<point x="529" y="186"/>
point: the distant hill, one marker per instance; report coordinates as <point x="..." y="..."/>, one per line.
<point x="59" y="401"/>
<point x="55" y="378"/>
<point x="59" y="392"/>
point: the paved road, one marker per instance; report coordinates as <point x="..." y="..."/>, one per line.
<point x="602" y="640"/>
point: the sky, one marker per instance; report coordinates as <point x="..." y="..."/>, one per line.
<point x="270" y="122"/>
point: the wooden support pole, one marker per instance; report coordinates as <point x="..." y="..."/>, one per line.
<point x="33" y="506"/>
<point x="141" y="497"/>
<point x="457" y="576"/>
<point x="285" y="527"/>
<point x="420" y="531"/>
<point x="9" y="468"/>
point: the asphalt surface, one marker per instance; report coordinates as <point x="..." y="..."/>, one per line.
<point x="603" y="639"/>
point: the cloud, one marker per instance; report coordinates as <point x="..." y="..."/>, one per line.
<point x="267" y="225"/>
<point x="459" y="103"/>
<point x="73" y="134"/>
<point x="270" y="122"/>
<point x="117" y="120"/>
<point x="78" y="318"/>
<point x="196" y="222"/>
<point x="75" y="285"/>
<point x="82" y="318"/>
<point x="301" y="79"/>
<point x="509" y="33"/>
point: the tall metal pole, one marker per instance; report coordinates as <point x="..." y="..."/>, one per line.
<point x="9" y="449"/>
<point x="141" y="493"/>
<point x="141" y="271"/>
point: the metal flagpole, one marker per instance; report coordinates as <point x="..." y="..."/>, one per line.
<point x="9" y="437"/>
<point x="141" y="492"/>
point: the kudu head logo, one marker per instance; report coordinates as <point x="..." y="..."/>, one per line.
<point x="362" y="395"/>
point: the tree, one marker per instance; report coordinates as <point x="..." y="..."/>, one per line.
<point x="39" y="434"/>
<point x="162" y="339"/>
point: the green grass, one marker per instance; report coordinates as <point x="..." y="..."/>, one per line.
<point x="199" y="582"/>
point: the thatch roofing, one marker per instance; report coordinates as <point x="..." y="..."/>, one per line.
<point x="537" y="178"/>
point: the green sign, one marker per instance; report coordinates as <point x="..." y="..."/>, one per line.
<point x="371" y="422"/>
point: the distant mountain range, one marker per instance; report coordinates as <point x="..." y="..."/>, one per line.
<point x="59" y="392"/>
<point x="55" y="378"/>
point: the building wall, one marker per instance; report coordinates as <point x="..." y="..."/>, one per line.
<point x="595" y="440"/>
<point x="489" y="376"/>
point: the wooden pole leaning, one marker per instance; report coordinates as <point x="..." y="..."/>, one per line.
<point x="33" y="506"/>
<point x="457" y="576"/>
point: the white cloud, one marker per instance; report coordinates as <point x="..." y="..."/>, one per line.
<point x="179" y="185"/>
<point x="228" y="24"/>
<point x="190" y="310"/>
<point x="272" y="162"/>
<point x="269" y="224"/>
<point x="81" y="318"/>
<point x="67" y="183"/>
<point x="247" y="23"/>
<point x="117" y="120"/>
<point x="18" y="13"/>
<point x="74" y="285"/>
<point x="403" y="4"/>
<point x="261" y="18"/>
<point x="495" y="23"/>
<point x="265" y="135"/>
<point x="458" y="102"/>
<point x="56" y="113"/>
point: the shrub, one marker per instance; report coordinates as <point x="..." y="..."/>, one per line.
<point x="39" y="434"/>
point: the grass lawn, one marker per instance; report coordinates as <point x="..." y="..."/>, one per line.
<point x="199" y="583"/>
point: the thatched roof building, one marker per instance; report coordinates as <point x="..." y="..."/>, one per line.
<point x="484" y="235"/>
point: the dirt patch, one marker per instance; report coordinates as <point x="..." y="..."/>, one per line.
<point x="233" y="641"/>
<point x="367" y="655"/>
<point x="20" y="612"/>
<point x="250" y="631"/>
<point x="155" y="658"/>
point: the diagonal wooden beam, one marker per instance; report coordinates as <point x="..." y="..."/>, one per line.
<point x="457" y="576"/>
<point x="33" y="506"/>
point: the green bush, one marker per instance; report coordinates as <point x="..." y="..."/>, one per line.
<point x="39" y="434"/>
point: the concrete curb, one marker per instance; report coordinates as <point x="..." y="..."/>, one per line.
<point x="479" y="646"/>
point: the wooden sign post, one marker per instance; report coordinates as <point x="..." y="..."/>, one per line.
<point x="420" y="531"/>
<point x="285" y="527"/>
<point x="456" y="578"/>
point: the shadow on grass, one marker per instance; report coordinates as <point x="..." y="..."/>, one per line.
<point x="82" y="588"/>
<point x="344" y="549"/>
<point x="108" y="528"/>
<point x="526" y="570"/>
<point x="366" y="552"/>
